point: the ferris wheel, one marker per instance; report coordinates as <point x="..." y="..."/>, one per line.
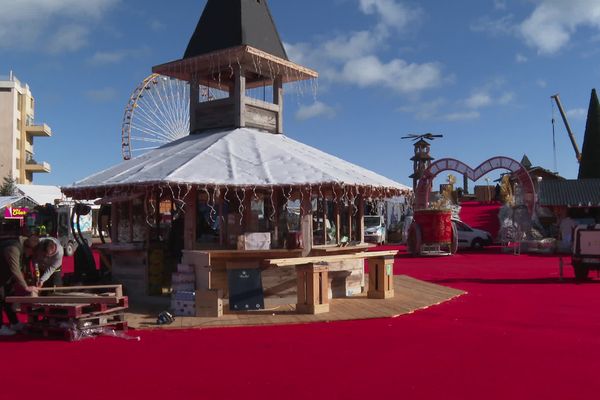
<point x="157" y="113"/>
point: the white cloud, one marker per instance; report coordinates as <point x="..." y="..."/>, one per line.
<point x="462" y="116"/>
<point x="317" y="109"/>
<point x="495" y="26"/>
<point x="52" y="25"/>
<point x="67" y="39"/>
<point x="506" y="98"/>
<point x="479" y="100"/>
<point x="500" y="5"/>
<point x="549" y="27"/>
<point x="102" y="95"/>
<point x="396" y="74"/>
<point x="156" y="25"/>
<point x="392" y="13"/>
<point x="107" y="57"/>
<point x="577" y="113"/>
<point x="521" y="59"/>
<point x="353" y="57"/>
<point x="114" y="57"/>
<point x="425" y="110"/>
<point x="541" y="83"/>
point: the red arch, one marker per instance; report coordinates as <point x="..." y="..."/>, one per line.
<point x="450" y="164"/>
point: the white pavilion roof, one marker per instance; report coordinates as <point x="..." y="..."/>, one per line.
<point x="241" y="157"/>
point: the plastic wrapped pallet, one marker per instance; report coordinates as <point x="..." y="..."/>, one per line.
<point x="254" y="241"/>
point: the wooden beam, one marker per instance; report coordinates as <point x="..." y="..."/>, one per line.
<point x="239" y="97"/>
<point x="306" y="223"/>
<point x="194" y="100"/>
<point x="190" y="219"/>
<point x="278" y="100"/>
<point x="285" y="262"/>
<point x="114" y="222"/>
<point x="361" y="220"/>
<point x="64" y="300"/>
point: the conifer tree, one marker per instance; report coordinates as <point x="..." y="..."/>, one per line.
<point x="8" y="188"/>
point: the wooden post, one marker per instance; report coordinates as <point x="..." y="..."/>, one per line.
<point x="324" y="216"/>
<point x="306" y="223"/>
<point x="191" y="210"/>
<point x="130" y="205"/>
<point x="278" y="100"/>
<point x="114" y="223"/>
<point x="239" y="97"/>
<point x="381" y="278"/>
<point x="194" y="101"/>
<point x="360" y="226"/>
<point x="338" y="227"/>
<point x="313" y="289"/>
<point x="222" y="221"/>
<point x="276" y="205"/>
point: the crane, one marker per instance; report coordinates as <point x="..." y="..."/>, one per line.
<point x="569" y="131"/>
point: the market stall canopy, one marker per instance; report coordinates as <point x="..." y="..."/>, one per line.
<point x="236" y="158"/>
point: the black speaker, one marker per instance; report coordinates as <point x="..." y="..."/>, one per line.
<point x="245" y="290"/>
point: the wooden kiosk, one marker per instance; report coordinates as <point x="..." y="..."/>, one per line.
<point x="237" y="194"/>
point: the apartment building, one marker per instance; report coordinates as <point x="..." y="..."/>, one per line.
<point x="18" y="130"/>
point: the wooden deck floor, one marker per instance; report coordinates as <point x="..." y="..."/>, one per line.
<point x="410" y="295"/>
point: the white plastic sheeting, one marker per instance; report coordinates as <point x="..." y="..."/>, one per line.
<point x="240" y="157"/>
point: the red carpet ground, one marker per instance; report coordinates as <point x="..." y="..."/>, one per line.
<point x="519" y="333"/>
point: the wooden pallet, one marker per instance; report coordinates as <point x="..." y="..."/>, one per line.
<point x="70" y="310"/>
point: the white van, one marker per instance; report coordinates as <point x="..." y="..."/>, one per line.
<point x="470" y="237"/>
<point x="375" y="231"/>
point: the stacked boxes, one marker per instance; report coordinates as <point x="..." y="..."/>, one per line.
<point x="209" y="301"/>
<point x="183" y="298"/>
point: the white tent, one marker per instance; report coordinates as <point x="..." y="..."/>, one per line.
<point x="242" y="158"/>
<point x="8" y="200"/>
<point x="41" y="194"/>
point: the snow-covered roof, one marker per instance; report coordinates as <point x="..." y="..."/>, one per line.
<point x="41" y="194"/>
<point x="240" y="157"/>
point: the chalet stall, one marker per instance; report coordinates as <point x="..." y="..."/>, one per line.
<point x="237" y="199"/>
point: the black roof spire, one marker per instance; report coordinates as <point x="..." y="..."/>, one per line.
<point x="232" y="23"/>
<point x="590" y="153"/>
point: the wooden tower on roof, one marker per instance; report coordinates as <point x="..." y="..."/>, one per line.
<point x="235" y="48"/>
<point x="421" y="161"/>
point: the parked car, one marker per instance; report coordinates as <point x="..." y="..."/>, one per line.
<point x="470" y="237"/>
<point x="375" y="231"/>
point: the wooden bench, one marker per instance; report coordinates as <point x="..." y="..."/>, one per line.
<point x="313" y="281"/>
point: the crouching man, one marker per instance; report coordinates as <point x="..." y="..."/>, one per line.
<point x="49" y="257"/>
<point x="13" y="255"/>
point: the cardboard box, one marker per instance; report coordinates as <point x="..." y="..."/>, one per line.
<point x="209" y="303"/>
<point x="183" y="286"/>
<point x="183" y="308"/>
<point x="184" y="296"/>
<point x="181" y="277"/>
<point x="196" y="258"/>
<point x="254" y="241"/>
<point x="185" y="268"/>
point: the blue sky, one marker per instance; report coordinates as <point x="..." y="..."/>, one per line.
<point x="481" y="72"/>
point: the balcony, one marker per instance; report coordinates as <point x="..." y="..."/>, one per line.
<point x="42" y="130"/>
<point x="35" y="167"/>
